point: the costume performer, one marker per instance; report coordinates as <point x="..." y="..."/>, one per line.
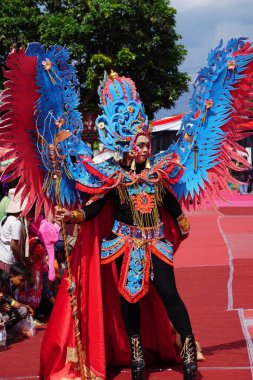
<point x="133" y="221"/>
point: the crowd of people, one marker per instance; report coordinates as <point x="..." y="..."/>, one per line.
<point x="32" y="262"/>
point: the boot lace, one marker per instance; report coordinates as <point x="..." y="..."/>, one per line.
<point x="187" y="353"/>
<point x="137" y="351"/>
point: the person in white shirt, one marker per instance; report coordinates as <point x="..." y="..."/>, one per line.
<point x="11" y="231"/>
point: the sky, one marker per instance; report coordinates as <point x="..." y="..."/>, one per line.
<point x="202" y="24"/>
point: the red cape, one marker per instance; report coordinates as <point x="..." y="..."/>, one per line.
<point x="103" y="334"/>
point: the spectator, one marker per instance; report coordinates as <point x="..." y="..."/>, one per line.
<point x="3" y="334"/>
<point x="4" y="195"/>
<point x="11" y="231"/>
<point x="48" y="297"/>
<point x="42" y="236"/>
<point x="19" y="274"/>
<point x="3" y="206"/>
<point x="250" y="180"/>
<point x="31" y="293"/>
<point x="61" y="259"/>
<point x="11" y="310"/>
<point x="3" y="289"/>
<point x="243" y="177"/>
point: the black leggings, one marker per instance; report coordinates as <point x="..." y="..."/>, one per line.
<point x="164" y="282"/>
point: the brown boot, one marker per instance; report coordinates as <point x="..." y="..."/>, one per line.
<point x="189" y="356"/>
<point x="137" y="358"/>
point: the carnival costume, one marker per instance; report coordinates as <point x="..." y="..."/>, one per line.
<point x="148" y="224"/>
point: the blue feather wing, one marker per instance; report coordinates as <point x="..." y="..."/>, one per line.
<point x="208" y="134"/>
<point x="58" y="121"/>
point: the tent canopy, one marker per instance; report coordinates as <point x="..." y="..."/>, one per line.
<point x="171" y="123"/>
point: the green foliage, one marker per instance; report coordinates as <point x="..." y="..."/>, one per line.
<point x="136" y="38"/>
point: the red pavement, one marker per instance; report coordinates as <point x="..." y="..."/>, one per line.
<point x="214" y="270"/>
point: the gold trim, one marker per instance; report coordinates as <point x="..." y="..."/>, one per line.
<point x="183" y="224"/>
<point x="113" y="75"/>
<point x="143" y="219"/>
<point x="71" y="357"/>
<point x="77" y="216"/>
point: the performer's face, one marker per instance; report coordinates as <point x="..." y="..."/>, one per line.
<point x="142" y="145"/>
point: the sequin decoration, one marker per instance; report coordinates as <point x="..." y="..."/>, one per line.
<point x="144" y="202"/>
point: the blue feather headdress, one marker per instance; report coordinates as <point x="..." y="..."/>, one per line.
<point x="123" y="113"/>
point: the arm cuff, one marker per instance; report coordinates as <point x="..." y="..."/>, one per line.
<point x="12" y="303"/>
<point x="183" y="224"/>
<point x="77" y="216"/>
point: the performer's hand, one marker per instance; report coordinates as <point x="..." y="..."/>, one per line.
<point x="62" y="214"/>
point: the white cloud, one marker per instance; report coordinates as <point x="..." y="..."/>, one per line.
<point x="202" y="24"/>
<point x="240" y="30"/>
<point x="185" y="5"/>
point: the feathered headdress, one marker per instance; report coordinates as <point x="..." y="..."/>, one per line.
<point x="123" y="113"/>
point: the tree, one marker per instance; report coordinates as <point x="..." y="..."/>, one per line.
<point x="135" y="38"/>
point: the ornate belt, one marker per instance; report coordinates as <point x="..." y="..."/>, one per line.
<point x="133" y="232"/>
